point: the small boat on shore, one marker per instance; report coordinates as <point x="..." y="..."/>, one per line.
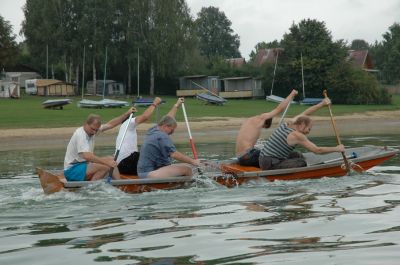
<point x="56" y="103"/>
<point x="104" y="103"/>
<point x="327" y="165"/>
<point x="212" y="99"/>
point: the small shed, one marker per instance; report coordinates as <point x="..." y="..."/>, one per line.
<point x="111" y="88"/>
<point x="49" y="87"/>
<point x="195" y="84"/>
<point x="242" y="87"/>
<point x="9" y="89"/>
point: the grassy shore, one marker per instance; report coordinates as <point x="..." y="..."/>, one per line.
<point x="28" y="112"/>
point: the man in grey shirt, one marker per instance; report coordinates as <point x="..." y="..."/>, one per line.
<point x="158" y="150"/>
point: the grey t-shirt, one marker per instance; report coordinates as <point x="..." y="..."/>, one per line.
<point x="155" y="151"/>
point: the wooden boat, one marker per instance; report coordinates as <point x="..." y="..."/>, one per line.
<point x="318" y="166"/>
<point x="213" y="99"/>
<point x="328" y="165"/>
<point x="56" y="103"/>
<point x="52" y="182"/>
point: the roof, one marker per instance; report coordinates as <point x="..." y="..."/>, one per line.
<point x="193" y="76"/>
<point x="238" y="78"/>
<point x="236" y="62"/>
<point x="267" y="56"/>
<point x="47" y="82"/>
<point x="361" y="58"/>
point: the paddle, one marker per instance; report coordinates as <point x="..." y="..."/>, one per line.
<point x="284" y="113"/>
<point x="190" y="134"/>
<point x="119" y="147"/>
<point x="346" y="162"/>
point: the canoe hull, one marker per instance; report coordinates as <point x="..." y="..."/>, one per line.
<point x="244" y="174"/>
<point x="53" y="182"/>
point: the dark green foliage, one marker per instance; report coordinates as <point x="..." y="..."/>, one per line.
<point x="263" y="45"/>
<point x="8" y="45"/>
<point x="215" y="35"/>
<point x="359" y="45"/>
<point x="387" y="55"/>
<point x="350" y="85"/>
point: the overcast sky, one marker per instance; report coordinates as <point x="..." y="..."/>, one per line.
<point x="266" y="20"/>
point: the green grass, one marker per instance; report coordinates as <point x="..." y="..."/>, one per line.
<point x="27" y="112"/>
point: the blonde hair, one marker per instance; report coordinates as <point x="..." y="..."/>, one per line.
<point x="302" y="120"/>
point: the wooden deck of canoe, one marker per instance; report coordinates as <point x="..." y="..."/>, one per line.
<point x="329" y="165"/>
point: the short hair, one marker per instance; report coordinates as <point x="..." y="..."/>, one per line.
<point x="93" y="118"/>
<point x="168" y="121"/>
<point x="302" y="120"/>
<point x="267" y="123"/>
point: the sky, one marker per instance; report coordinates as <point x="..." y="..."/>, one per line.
<point x="266" y="20"/>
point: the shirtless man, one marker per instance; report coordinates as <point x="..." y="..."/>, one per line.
<point x="251" y="129"/>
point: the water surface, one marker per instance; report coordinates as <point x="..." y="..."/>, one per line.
<point x="348" y="220"/>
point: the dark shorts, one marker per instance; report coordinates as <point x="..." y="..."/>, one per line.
<point x="77" y="172"/>
<point x="129" y="164"/>
<point x="250" y="158"/>
<point x="295" y="159"/>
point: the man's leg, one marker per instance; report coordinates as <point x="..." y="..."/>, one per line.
<point x="96" y="171"/>
<point x="171" y="171"/>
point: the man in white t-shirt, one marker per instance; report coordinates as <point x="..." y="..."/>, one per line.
<point x="129" y="153"/>
<point x="80" y="162"/>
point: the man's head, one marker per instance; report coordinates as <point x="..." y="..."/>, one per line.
<point x="92" y="124"/>
<point x="267" y="123"/>
<point x="167" y="124"/>
<point x="303" y="124"/>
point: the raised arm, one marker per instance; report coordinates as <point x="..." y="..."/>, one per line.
<point x="312" y="109"/>
<point x="299" y="138"/>
<point x="147" y="113"/>
<point x="281" y="107"/>
<point x="175" y="107"/>
<point x="118" y="120"/>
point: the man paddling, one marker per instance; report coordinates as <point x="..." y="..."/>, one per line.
<point x="129" y="152"/>
<point x="251" y="129"/>
<point x="158" y="150"/>
<point x="278" y="152"/>
<point x="80" y="163"/>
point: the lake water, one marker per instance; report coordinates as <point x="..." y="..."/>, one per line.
<point x="348" y="220"/>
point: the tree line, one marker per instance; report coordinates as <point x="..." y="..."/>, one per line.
<point x="157" y="41"/>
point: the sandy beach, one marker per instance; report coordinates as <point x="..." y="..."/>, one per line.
<point x="209" y="129"/>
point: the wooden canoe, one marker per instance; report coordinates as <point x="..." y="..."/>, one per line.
<point x="54" y="181"/>
<point x="328" y="165"/>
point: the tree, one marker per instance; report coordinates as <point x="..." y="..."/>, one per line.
<point x="8" y="45"/>
<point x="215" y="35"/>
<point x="311" y="40"/>
<point x="387" y="55"/>
<point x="359" y="44"/>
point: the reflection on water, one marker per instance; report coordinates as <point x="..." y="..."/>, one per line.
<point x="348" y="220"/>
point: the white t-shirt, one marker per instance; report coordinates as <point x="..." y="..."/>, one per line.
<point x="80" y="142"/>
<point x="130" y="142"/>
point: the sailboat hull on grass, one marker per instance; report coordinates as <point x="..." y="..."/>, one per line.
<point x="104" y="103"/>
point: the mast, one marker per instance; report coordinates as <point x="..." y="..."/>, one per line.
<point x="302" y="75"/>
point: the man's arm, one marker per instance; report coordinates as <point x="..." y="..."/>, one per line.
<point x="90" y="157"/>
<point x="147" y="113"/>
<point x="281" y="107"/>
<point x="175" y="107"/>
<point x="299" y="138"/>
<point x="184" y="158"/>
<point x="118" y="120"/>
<point x="312" y="109"/>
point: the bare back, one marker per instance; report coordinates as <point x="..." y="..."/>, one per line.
<point x="249" y="133"/>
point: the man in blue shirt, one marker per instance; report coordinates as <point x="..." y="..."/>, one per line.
<point x="158" y="150"/>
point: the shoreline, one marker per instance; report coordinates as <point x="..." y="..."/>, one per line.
<point x="208" y="130"/>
